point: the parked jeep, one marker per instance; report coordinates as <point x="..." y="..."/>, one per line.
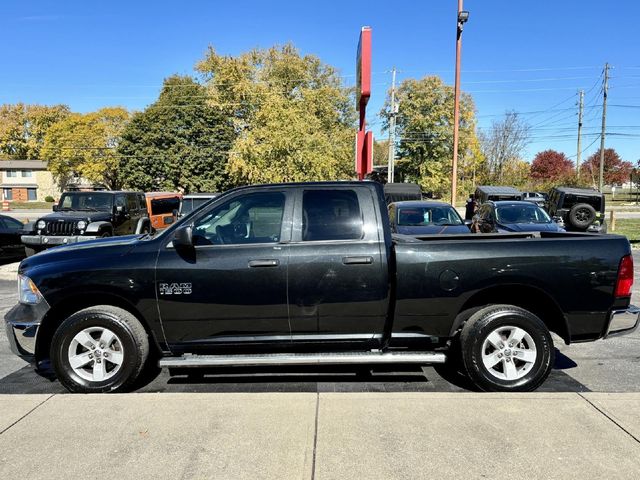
<point x="580" y="209"/>
<point x="81" y="216"/>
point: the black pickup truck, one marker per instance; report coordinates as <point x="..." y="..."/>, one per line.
<point x="301" y="274"/>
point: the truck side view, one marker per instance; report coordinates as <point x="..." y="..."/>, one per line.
<point x="310" y="273"/>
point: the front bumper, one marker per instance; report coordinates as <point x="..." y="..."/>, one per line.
<point x="22" y="323"/>
<point x="622" y="322"/>
<point x="54" y="240"/>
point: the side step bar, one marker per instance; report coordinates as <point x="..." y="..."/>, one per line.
<point x="302" y="359"/>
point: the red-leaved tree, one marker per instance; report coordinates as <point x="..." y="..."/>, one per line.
<point x="550" y="165"/>
<point x="616" y="170"/>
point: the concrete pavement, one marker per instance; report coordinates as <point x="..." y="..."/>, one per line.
<point x="321" y="436"/>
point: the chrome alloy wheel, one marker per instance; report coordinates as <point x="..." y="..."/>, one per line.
<point x="96" y="354"/>
<point x="508" y="353"/>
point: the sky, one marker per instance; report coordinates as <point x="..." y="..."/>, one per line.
<point x="528" y="56"/>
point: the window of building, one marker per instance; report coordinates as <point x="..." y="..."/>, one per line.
<point x="7" y="193"/>
<point x="32" y="194"/>
<point x="27" y="173"/>
<point x="12" y="173"/>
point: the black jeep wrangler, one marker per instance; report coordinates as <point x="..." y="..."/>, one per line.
<point x="81" y="216"/>
<point x="581" y="209"/>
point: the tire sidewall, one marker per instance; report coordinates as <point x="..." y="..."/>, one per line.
<point x="582" y="224"/>
<point x="65" y="334"/>
<point x="541" y="338"/>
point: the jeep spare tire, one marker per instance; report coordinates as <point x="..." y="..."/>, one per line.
<point x="581" y="216"/>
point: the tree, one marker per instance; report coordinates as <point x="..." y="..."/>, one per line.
<point x="616" y="170"/>
<point x="85" y="146"/>
<point x="178" y="143"/>
<point x="296" y="121"/>
<point x="424" y="125"/>
<point x="23" y="128"/>
<point x="551" y="166"/>
<point x="381" y="152"/>
<point x="503" y="144"/>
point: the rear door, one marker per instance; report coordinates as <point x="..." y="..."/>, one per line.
<point x="338" y="285"/>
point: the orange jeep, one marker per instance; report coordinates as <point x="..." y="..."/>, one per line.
<point x="163" y="208"/>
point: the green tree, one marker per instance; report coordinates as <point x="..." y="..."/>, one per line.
<point x="85" y="146"/>
<point x="179" y="142"/>
<point x="296" y="120"/>
<point x="424" y="125"/>
<point x="23" y="128"/>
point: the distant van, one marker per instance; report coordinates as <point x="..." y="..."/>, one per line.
<point x="485" y="193"/>
<point x="163" y="208"/>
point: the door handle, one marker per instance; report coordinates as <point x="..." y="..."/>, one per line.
<point x="357" y="260"/>
<point x="264" y="263"/>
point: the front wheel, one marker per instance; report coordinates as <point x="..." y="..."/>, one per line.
<point x="99" y="349"/>
<point x="506" y="349"/>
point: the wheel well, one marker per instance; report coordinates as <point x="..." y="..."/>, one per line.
<point x="530" y="298"/>
<point x="70" y="305"/>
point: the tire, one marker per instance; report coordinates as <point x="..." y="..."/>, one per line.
<point x="581" y="216"/>
<point x="105" y="234"/>
<point x="484" y="340"/>
<point x="99" y="368"/>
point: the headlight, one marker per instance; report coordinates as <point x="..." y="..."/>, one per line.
<point x="41" y="224"/>
<point x="27" y="291"/>
<point x="82" y="225"/>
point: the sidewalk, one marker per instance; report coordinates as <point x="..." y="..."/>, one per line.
<point x="323" y="436"/>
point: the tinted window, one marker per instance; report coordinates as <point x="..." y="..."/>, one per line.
<point x="522" y="214"/>
<point x="132" y="202"/>
<point x="331" y="215"/>
<point x="86" y="201"/>
<point x="10" y="224"/>
<point x="160" y="206"/>
<point x="252" y="218"/>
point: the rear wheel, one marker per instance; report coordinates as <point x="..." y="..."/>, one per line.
<point x="506" y="348"/>
<point x="105" y="234"/>
<point x="99" y="349"/>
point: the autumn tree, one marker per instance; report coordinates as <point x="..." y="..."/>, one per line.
<point x="616" y="170"/>
<point x="85" y="146"/>
<point x="295" y="120"/>
<point x="424" y="125"/>
<point x="23" y="128"/>
<point x="179" y="142"/>
<point x="504" y="144"/>
<point x="551" y="167"/>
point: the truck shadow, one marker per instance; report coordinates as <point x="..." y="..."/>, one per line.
<point x="393" y="378"/>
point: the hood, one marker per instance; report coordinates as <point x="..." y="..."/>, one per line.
<point x="77" y="215"/>
<point x="91" y="248"/>
<point x="531" y="227"/>
<point x="432" y="229"/>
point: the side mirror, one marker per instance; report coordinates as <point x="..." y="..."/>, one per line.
<point x="468" y="222"/>
<point x="54" y="208"/>
<point x="183" y="237"/>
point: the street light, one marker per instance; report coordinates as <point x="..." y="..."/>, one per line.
<point x="463" y="17"/>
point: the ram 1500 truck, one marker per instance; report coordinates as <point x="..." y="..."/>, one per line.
<point x="310" y="273"/>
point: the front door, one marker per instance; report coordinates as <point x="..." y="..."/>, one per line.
<point x="232" y="287"/>
<point x="338" y="278"/>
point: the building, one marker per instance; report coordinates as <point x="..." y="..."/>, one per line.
<point x="26" y="180"/>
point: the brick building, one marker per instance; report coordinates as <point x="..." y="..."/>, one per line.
<point x="26" y="180"/>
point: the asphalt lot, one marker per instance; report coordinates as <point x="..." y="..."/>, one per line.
<point x="611" y="365"/>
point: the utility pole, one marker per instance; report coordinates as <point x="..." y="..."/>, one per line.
<point x="392" y="128"/>
<point x="463" y="16"/>
<point x="605" y="90"/>
<point x="579" y="153"/>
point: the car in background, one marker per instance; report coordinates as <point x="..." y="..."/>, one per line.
<point x="512" y="216"/>
<point x="425" y="218"/>
<point x="11" y="247"/>
<point x="535" y="197"/>
<point x="163" y="208"/>
<point x="579" y="209"/>
<point x="193" y="201"/>
<point x="80" y="216"/>
<point x="485" y="193"/>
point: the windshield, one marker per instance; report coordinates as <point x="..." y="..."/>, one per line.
<point x="521" y="214"/>
<point x="92" y="201"/>
<point x="191" y="204"/>
<point x="435" y="215"/>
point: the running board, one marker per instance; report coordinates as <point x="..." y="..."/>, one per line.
<point x="302" y="359"/>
